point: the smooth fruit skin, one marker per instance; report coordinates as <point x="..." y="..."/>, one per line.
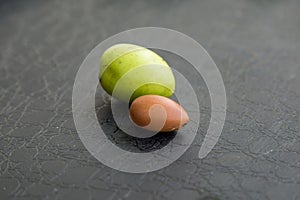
<point x="122" y="58"/>
<point x="164" y="110"/>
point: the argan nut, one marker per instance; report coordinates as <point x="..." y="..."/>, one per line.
<point x="157" y="113"/>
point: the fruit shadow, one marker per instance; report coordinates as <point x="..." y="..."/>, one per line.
<point x="119" y="137"/>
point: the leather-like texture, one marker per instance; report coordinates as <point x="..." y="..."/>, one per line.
<point x="256" y="45"/>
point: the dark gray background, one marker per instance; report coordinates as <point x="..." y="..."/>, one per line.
<point x="256" y="45"/>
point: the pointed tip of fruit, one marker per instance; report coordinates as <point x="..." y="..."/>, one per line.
<point x="184" y="117"/>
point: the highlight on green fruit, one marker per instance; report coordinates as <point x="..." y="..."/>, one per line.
<point x="120" y="59"/>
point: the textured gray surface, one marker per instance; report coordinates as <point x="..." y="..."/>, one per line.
<point x="256" y="45"/>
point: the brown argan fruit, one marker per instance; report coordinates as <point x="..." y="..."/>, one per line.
<point x="157" y="113"/>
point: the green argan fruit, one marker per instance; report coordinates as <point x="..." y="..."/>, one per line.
<point x="138" y="66"/>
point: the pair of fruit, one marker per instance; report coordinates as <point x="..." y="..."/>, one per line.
<point x="138" y="75"/>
